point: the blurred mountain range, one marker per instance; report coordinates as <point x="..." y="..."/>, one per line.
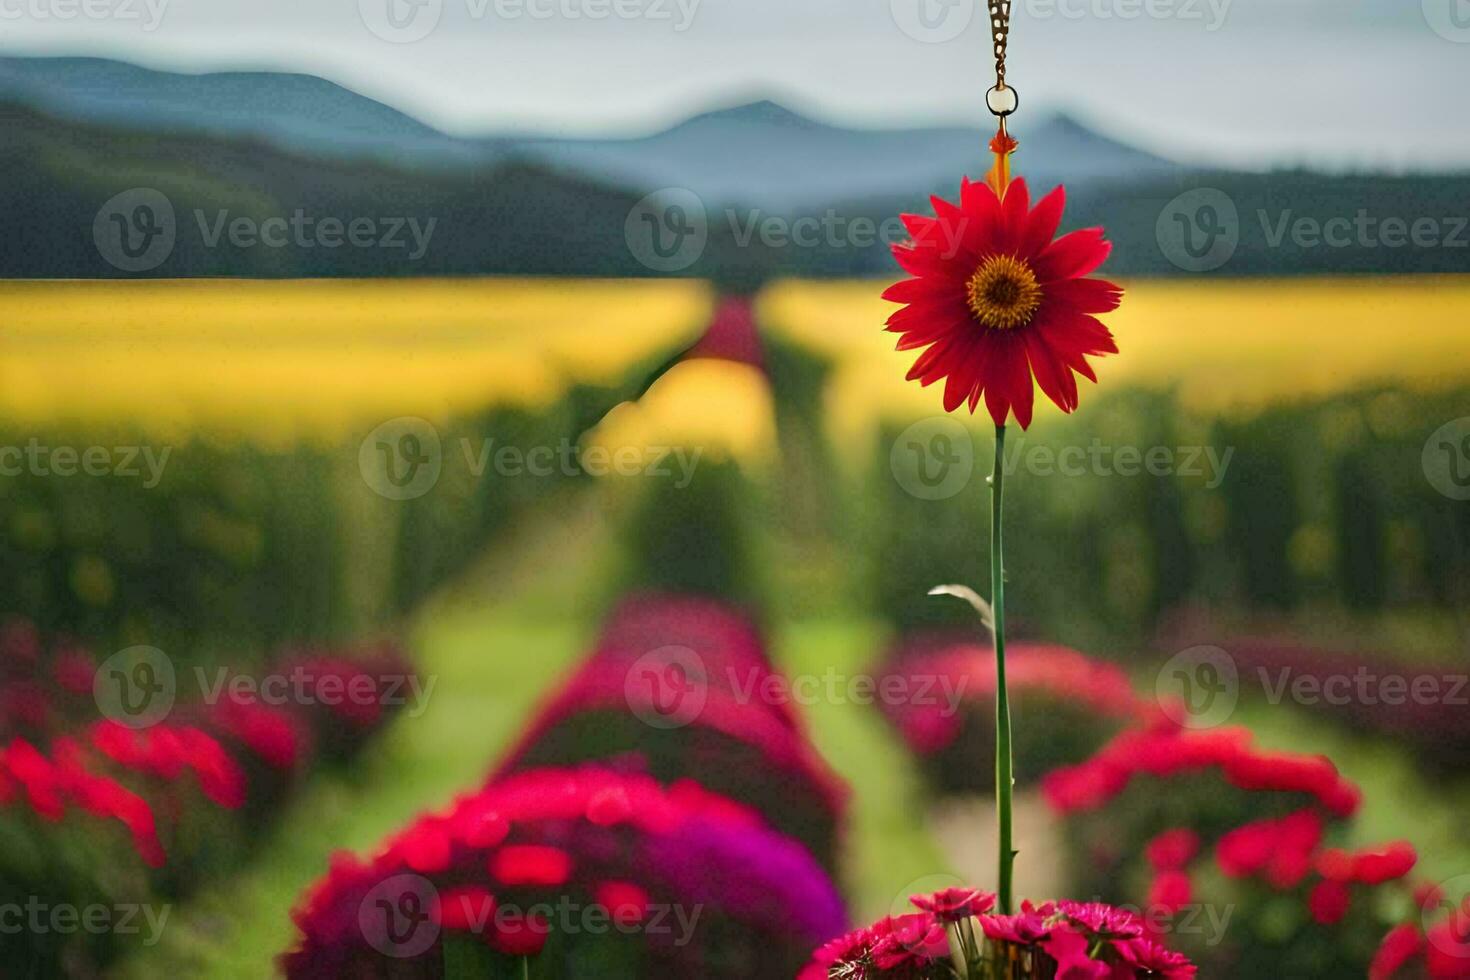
<point x="758" y="154"/>
<point x="226" y="147"/>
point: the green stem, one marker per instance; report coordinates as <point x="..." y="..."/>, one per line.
<point x="1004" y="766"/>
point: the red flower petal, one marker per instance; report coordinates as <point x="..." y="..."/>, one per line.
<point x="531" y="864"/>
<point x="1079" y="332"/>
<point x="1014" y="210"/>
<point x="1072" y="256"/>
<point x="1054" y="377"/>
<point x="1016" y="372"/>
<point x="1329" y="902"/>
<point x="1085" y="295"/>
<point x="909" y="290"/>
<point x="1041" y="226"/>
<point x="982" y="217"/>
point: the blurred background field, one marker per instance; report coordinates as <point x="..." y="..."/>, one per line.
<point x="1315" y="388"/>
<point x="265" y="528"/>
<point x="613" y="340"/>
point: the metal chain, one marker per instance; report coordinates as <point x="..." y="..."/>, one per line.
<point x="1000" y="29"/>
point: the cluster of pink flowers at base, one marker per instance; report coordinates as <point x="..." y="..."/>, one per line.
<point x="958" y="928"/>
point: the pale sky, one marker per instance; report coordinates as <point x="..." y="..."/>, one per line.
<point x="1337" y="83"/>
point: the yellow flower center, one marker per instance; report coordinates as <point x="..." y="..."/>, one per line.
<point x="1003" y="293"/>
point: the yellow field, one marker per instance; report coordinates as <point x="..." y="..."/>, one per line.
<point x="280" y="361"/>
<point x="1224" y="344"/>
<point x="286" y="360"/>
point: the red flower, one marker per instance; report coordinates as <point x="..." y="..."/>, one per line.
<point x="1153" y="960"/>
<point x="909" y="940"/>
<point x="1095" y="917"/>
<point x="425" y="847"/>
<point x="1447" y="954"/>
<point x="1329" y="902"/>
<point x="1171" y="891"/>
<point x="954" y="904"/>
<point x="532" y="864"/>
<point x="1428" y="896"/>
<point x="845" y="950"/>
<point x="1372" y="866"/>
<point x="1401" y="945"/>
<point x="1023" y="929"/>
<point x="1173" y="849"/>
<point x="469" y="908"/>
<point x="997" y="301"/>
<point x="1278" y="850"/>
<point x="626" y="902"/>
<point x="1071" y="949"/>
